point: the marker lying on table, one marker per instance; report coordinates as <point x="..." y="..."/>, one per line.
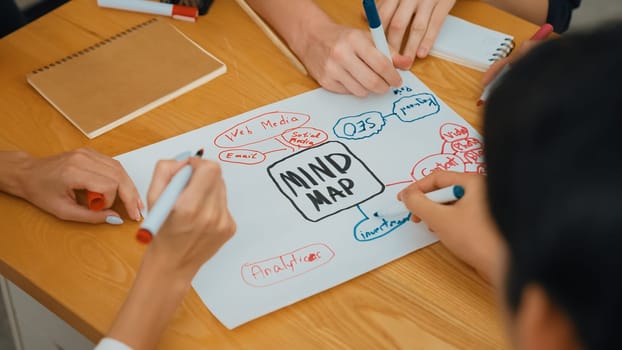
<point x="443" y="195"/>
<point x="377" y="32"/>
<point x="541" y="34"/>
<point x="184" y="13"/>
<point x="163" y="206"/>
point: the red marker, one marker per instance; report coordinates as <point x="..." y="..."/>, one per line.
<point x="165" y="203"/>
<point x="184" y="13"/>
<point x="541" y="34"/>
<point x="95" y="201"/>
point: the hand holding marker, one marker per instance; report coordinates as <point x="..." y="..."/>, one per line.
<point x="163" y="206"/>
<point x="444" y="195"/>
<point x="375" y="26"/>
<point x="95" y="200"/>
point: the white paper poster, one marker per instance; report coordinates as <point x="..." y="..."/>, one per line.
<point x="304" y="177"/>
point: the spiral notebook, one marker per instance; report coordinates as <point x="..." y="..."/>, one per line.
<point x="470" y="44"/>
<point x="124" y="76"/>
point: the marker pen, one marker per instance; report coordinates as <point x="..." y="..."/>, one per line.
<point x="443" y="195"/>
<point x="375" y="26"/>
<point x="163" y="206"/>
<point x="184" y="13"/>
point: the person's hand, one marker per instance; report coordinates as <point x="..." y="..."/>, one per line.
<point x="194" y="231"/>
<point x="50" y="184"/>
<point x="344" y="60"/>
<point x="200" y="222"/>
<point x="425" y="18"/>
<point x="496" y="67"/>
<point x="464" y="227"/>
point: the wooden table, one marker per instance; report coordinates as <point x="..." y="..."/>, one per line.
<point x="82" y="272"/>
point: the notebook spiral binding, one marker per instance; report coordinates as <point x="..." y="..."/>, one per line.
<point x="504" y="49"/>
<point x="94" y="46"/>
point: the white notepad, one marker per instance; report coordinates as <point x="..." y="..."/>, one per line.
<point x="470" y="44"/>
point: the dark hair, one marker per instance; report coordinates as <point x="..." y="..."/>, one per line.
<point x="553" y="136"/>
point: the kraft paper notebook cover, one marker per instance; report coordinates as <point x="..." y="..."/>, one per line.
<point x="471" y="45"/>
<point x="124" y="76"/>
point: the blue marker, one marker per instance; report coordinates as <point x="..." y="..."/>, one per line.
<point x="377" y="32"/>
<point x="163" y="206"/>
<point x="444" y="195"/>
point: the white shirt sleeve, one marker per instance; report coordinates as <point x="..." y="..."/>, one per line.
<point x="111" y="344"/>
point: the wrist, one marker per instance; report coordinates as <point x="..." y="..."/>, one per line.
<point x="155" y="295"/>
<point x="160" y="264"/>
<point x="14" y="172"/>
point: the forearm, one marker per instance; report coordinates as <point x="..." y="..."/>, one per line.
<point x="492" y="265"/>
<point x="294" y="20"/>
<point x="534" y="11"/>
<point x="12" y="169"/>
<point x="151" y="303"/>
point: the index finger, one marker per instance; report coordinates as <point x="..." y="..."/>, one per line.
<point x="111" y="168"/>
<point x="162" y="175"/>
<point x="439" y="13"/>
<point x="418" y="30"/>
<point x="436" y="180"/>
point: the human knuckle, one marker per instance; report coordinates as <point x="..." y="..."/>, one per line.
<point x="227" y="228"/>
<point x="209" y="169"/>
<point x="83" y="150"/>
<point x="361" y="93"/>
<point x="117" y="164"/>
<point x="184" y="212"/>
<point x="419" y="26"/>
<point x="351" y="35"/>
<point x="376" y="84"/>
<point x="213" y="168"/>
<point x="325" y="82"/>
<point x="397" y="26"/>
<point x="161" y="164"/>
<point x="78" y="156"/>
<point x="338" y="53"/>
<point x="407" y="192"/>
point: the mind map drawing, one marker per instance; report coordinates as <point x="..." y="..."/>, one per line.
<point x="304" y="176"/>
<point x="321" y="178"/>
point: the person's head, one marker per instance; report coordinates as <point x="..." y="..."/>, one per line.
<point x="553" y="142"/>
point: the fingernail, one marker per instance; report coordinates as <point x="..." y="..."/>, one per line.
<point x="114" y="220"/>
<point x="422" y="52"/>
<point x="138" y="215"/>
<point x="183" y="156"/>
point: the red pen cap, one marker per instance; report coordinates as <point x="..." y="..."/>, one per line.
<point x="95" y="201"/>
<point x="144" y="236"/>
<point x="543" y="32"/>
<point x="185" y="11"/>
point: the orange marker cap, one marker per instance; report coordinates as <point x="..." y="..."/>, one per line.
<point x="95" y="201"/>
<point x="144" y="236"/>
<point x="185" y="11"/>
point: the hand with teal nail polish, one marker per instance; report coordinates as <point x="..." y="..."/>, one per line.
<point x="50" y="184"/>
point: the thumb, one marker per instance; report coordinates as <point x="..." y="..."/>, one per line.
<point x="400" y="61"/>
<point x="422" y="208"/>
